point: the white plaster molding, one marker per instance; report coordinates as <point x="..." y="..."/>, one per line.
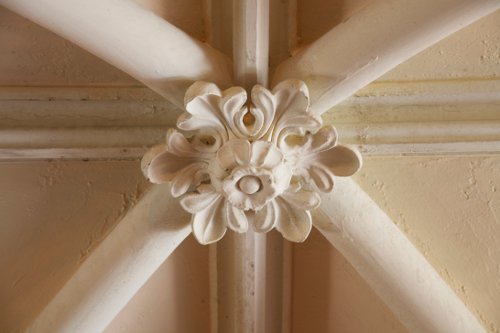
<point x="251" y="42"/>
<point x="120" y="123"/>
<point x="373" y="41"/>
<point x="251" y="273"/>
<point x="390" y="264"/>
<point x="118" y="267"/>
<point x="255" y="162"/>
<point x="132" y="39"/>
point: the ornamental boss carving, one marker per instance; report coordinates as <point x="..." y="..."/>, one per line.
<point x="258" y="161"/>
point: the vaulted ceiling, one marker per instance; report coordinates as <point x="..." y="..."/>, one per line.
<point x="73" y="128"/>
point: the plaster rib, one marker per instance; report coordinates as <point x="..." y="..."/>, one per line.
<point x="118" y="267"/>
<point x="133" y="39"/>
<point x="251" y="268"/>
<point x="390" y="264"/>
<point x="372" y="42"/>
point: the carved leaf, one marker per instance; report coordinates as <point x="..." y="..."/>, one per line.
<point x="291" y="97"/>
<point x="319" y="158"/>
<point x="189" y="177"/>
<point x="235" y="111"/>
<point x="164" y="166"/>
<point x="292" y="116"/>
<point x="202" y="102"/>
<point x="264" y="110"/>
<point x="303" y="147"/>
<point x="177" y="144"/>
<point x="341" y="160"/>
<point x="152" y="153"/>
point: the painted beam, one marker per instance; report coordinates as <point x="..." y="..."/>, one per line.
<point x="390" y="264"/>
<point x="118" y="267"/>
<point x="374" y="41"/>
<point x="133" y="39"/>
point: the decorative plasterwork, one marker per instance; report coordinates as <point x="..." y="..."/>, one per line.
<point x="257" y="161"/>
<point x="453" y="118"/>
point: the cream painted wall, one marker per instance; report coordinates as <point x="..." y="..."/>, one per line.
<point x="449" y="207"/>
<point x="175" y="299"/>
<point x="52" y="215"/>
<point x="472" y="53"/>
<point x="330" y="296"/>
<point x="37" y="57"/>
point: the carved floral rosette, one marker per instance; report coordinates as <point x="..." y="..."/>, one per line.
<point x="257" y="161"/>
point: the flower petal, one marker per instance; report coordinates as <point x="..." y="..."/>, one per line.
<point x="197" y="202"/>
<point x="321" y="176"/>
<point x="209" y="224"/>
<point x="236" y="218"/>
<point x="303" y="199"/>
<point x="190" y="176"/>
<point x="234" y="153"/>
<point x="293" y="222"/>
<point x="341" y="160"/>
<point x="265" y="154"/>
<point x="265" y="219"/>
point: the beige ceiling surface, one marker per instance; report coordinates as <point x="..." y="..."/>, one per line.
<point x="35" y="56"/>
<point x="449" y="207"/>
<point x="54" y="213"/>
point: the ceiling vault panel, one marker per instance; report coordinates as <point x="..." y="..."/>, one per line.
<point x="250" y="274"/>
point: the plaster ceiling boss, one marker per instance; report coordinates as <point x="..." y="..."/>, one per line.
<point x="258" y="160"/>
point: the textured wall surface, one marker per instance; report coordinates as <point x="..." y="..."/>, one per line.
<point x="53" y="214"/>
<point x="449" y="207"/>
<point x="330" y="296"/>
<point x="175" y="299"/>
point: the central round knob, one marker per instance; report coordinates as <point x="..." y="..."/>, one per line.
<point x="249" y="184"/>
